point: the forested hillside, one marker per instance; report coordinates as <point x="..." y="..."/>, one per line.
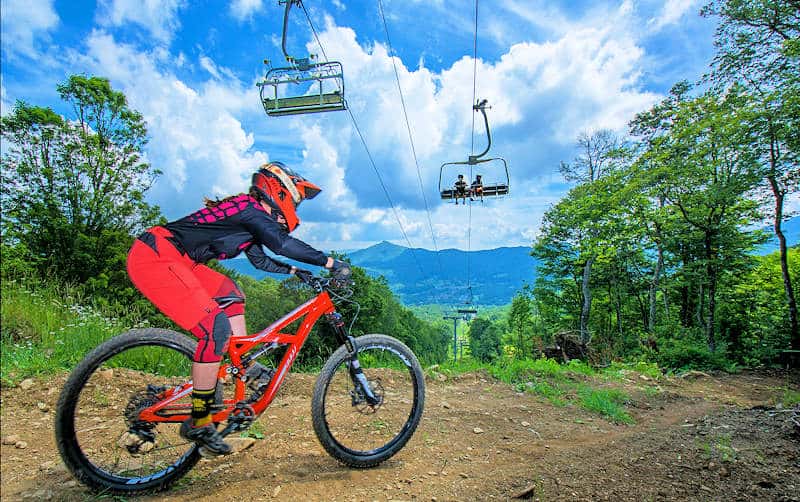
<point x="419" y="276"/>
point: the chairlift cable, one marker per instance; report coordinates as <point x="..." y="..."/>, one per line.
<point x="366" y="149"/>
<point x="472" y="147"/>
<point x="410" y="136"/>
<point x="385" y="191"/>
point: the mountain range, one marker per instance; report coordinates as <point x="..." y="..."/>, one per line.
<point x="419" y="276"/>
<point x="492" y="277"/>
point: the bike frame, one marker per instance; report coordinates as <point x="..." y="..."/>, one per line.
<point x="167" y="409"/>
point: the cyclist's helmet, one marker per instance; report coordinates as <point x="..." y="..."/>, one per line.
<point x="283" y="189"/>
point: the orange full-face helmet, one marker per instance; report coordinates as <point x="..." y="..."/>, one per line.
<point x="283" y="190"/>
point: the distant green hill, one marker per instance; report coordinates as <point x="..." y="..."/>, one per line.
<point x="420" y="277"/>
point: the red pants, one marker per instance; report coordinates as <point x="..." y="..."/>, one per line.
<point x="182" y="289"/>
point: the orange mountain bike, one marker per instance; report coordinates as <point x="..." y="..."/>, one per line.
<point x="120" y="410"/>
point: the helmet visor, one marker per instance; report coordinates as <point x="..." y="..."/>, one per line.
<point x="307" y="189"/>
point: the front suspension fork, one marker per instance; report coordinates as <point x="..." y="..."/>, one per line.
<point x="356" y="373"/>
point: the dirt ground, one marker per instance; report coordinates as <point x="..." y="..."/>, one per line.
<point x="706" y="437"/>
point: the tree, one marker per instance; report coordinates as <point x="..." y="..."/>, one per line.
<point x="520" y="322"/>
<point x="698" y="155"/>
<point x="758" y="47"/>
<point x="73" y="189"/>
<point x="485" y="340"/>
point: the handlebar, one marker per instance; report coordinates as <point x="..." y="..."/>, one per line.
<point x="320" y="284"/>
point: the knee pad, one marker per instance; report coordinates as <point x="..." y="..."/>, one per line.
<point x="230" y="288"/>
<point x="213" y="333"/>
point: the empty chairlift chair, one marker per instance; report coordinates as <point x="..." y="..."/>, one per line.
<point x="303" y="86"/>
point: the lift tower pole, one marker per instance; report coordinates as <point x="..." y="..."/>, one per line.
<point x="455" y="319"/>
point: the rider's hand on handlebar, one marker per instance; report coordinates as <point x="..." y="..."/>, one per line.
<point x="304" y="275"/>
<point x="341" y="271"/>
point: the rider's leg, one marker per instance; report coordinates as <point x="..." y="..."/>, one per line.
<point x="213" y="333"/>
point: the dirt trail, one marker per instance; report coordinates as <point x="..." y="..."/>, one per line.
<point x="697" y="439"/>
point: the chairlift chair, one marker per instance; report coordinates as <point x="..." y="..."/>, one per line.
<point x="304" y="86"/>
<point x="495" y="189"/>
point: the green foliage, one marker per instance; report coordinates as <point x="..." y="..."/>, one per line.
<point x="607" y="402"/>
<point x="682" y="355"/>
<point x="48" y="327"/>
<point x="485" y="340"/>
<point x="73" y="188"/>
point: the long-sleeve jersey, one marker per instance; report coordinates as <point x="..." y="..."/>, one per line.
<point x="235" y="225"/>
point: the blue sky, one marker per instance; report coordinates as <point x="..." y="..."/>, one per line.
<point x="550" y="70"/>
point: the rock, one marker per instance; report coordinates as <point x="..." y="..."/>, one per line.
<point x="106" y="374"/>
<point x="724" y="472"/>
<point x="12" y="439"/>
<point x="477" y="430"/>
<point x="645" y="378"/>
<point x="240" y="444"/>
<point x="26" y="384"/>
<point x="43" y="406"/>
<point x="276" y="491"/>
<point x="46" y="466"/>
<point x="463" y="475"/>
<point x="525" y="424"/>
<point x="21" y="445"/>
<point x="445" y="405"/>
<point x="71" y="484"/>
<point x="441" y="377"/>
<point x="526" y="494"/>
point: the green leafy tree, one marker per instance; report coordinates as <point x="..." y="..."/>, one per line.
<point x="758" y="48"/>
<point x="485" y="340"/>
<point x="73" y="188"/>
<point x="520" y="323"/>
<point x="698" y="155"/>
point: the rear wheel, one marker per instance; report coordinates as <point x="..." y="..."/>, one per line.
<point x="350" y="429"/>
<point x="98" y="432"/>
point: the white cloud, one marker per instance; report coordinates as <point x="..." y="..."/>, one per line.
<point x="159" y="17"/>
<point x="244" y="9"/>
<point x="671" y="13"/>
<point x="197" y="138"/>
<point x="208" y="136"/>
<point x="24" y="22"/>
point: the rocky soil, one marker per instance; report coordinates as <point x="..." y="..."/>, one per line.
<point x="704" y="437"/>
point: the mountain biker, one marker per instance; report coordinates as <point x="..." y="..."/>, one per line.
<point x="166" y="263"/>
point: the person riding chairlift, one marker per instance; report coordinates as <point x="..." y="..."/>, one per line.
<point x="461" y="189"/>
<point x="167" y="264"/>
<point x="476" y="189"/>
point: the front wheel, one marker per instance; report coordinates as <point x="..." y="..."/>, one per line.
<point x="361" y="430"/>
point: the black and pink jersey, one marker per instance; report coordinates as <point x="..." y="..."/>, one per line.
<point x="235" y="225"/>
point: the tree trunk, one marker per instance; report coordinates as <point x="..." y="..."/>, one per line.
<point x="651" y="320"/>
<point x="587" y="300"/>
<point x="787" y="279"/>
<point x="711" y="273"/>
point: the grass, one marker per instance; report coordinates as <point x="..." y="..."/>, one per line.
<point x="575" y="383"/>
<point x="47" y="329"/>
<point x="791" y="398"/>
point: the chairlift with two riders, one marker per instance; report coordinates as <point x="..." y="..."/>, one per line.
<point x="498" y="189"/>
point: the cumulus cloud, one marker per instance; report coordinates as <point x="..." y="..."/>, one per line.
<point x="671" y="13"/>
<point x="244" y="9"/>
<point x="209" y="135"/>
<point x="197" y="138"/>
<point x="159" y="17"/>
<point x="24" y="23"/>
